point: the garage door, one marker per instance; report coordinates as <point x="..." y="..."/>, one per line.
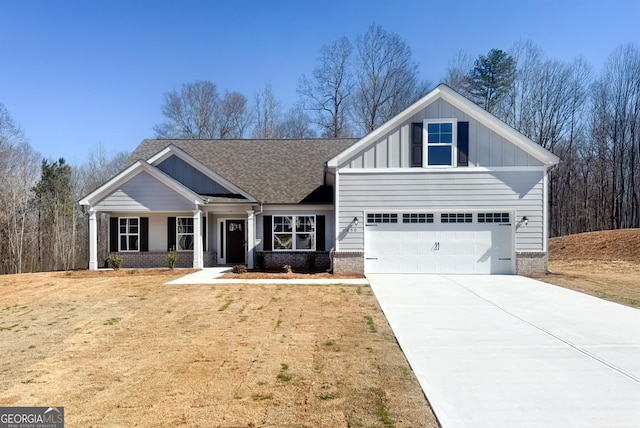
<point x="443" y="242"/>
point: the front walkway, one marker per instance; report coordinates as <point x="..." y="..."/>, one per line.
<point x="509" y="351"/>
<point x="213" y="275"/>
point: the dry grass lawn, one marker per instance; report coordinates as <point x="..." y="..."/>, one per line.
<point x="120" y="349"/>
<point x="603" y="264"/>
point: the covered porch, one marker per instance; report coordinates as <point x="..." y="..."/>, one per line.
<point x="204" y="237"/>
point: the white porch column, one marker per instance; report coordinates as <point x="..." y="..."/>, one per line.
<point x="251" y="239"/>
<point x="93" y="241"/>
<point x="197" y="240"/>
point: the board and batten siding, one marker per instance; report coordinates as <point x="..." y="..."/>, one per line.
<point x="144" y="193"/>
<point x="486" y="148"/>
<point x="362" y="192"/>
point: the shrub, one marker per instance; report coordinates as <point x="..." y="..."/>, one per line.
<point x="239" y="269"/>
<point x="172" y="259"/>
<point x="114" y="260"/>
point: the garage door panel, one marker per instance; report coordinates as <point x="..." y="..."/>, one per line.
<point x="439" y="248"/>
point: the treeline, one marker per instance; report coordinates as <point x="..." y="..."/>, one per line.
<point x="42" y="228"/>
<point x="592" y="122"/>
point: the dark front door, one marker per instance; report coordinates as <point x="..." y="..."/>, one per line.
<point x="235" y="241"/>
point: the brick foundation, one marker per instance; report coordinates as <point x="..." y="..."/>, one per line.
<point x="348" y="262"/>
<point x="315" y="261"/>
<point x="152" y="259"/>
<point x="531" y="263"/>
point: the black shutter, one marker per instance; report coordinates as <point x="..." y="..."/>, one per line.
<point x="204" y="233"/>
<point x="171" y="233"/>
<point x="267" y="229"/>
<point x="416" y="145"/>
<point x="320" y="241"/>
<point x="113" y="234"/>
<point x="144" y="234"/>
<point x="463" y="143"/>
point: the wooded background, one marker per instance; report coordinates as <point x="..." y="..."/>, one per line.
<point x="590" y="120"/>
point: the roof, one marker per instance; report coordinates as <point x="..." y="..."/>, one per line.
<point x="273" y="171"/>
<point x="467" y="106"/>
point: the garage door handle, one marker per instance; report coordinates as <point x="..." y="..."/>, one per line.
<point x="371" y="258"/>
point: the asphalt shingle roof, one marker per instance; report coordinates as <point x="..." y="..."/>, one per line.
<point x="273" y="171"/>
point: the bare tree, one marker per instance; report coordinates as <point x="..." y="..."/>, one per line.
<point x="267" y="114"/>
<point x="386" y="78"/>
<point x="297" y="123"/>
<point x="234" y="116"/>
<point x="191" y="113"/>
<point x="458" y="73"/>
<point x="328" y="91"/>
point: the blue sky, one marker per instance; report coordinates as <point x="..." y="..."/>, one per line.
<point x="75" y="74"/>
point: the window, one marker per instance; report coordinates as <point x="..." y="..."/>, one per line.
<point x="417" y="218"/>
<point x="440" y="143"/>
<point x="294" y="232"/>
<point x="456" y="218"/>
<point x="129" y="233"/>
<point x="184" y="229"/>
<point x="493" y="218"/>
<point x="382" y="218"/>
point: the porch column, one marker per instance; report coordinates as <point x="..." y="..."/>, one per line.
<point x="93" y="241"/>
<point x="197" y="240"/>
<point x="251" y="238"/>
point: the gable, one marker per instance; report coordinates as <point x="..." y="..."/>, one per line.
<point x="195" y="180"/>
<point x="486" y="148"/>
<point x="489" y="142"/>
<point x="143" y="192"/>
<point x="274" y="171"/>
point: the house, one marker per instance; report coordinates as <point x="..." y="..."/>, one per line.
<point x="443" y="187"/>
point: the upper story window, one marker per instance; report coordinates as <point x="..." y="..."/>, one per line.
<point x="129" y="233"/>
<point x="294" y="232"/>
<point x="440" y="147"/>
<point x="184" y="230"/>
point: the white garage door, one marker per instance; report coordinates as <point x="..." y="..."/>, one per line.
<point x="451" y="242"/>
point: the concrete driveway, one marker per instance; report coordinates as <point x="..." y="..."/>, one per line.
<point x="507" y="351"/>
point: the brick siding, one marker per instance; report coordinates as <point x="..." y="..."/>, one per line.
<point x="348" y="262"/>
<point x="159" y="259"/>
<point x="315" y="261"/>
<point x="531" y="263"/>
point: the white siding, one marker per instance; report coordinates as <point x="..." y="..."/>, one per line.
<point x="144" y="193"/>
<point x="470" y="190"/>
<point x="486" y="148"/>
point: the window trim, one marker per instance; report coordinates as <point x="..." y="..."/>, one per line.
<point x="128" y="234"/>
<point x="294" y="232"/>
<point x="179" y="234"/>
<point x="453" y="145"/>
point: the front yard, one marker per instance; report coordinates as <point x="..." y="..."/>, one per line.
<point x="122" y="349"/>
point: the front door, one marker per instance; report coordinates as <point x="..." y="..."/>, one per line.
<point x="235" y="241"/>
